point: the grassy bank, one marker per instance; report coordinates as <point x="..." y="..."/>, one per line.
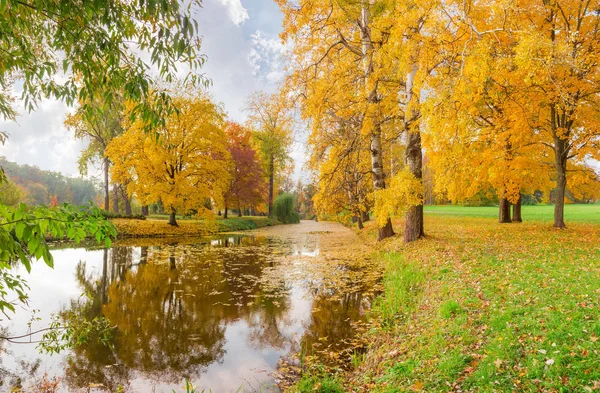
<point x="479" y="306"/>
<point x="158" y="227"/>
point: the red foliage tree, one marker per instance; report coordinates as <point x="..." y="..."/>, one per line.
<point x="247" y="186"/>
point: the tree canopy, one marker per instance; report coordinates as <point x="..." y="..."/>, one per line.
<point x="182" y="164"/>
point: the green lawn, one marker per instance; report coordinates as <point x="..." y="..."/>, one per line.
<point x="479" y="306"/>
<point x="574" y="213"/>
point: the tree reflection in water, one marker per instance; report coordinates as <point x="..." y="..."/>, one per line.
<point x="171" y="305"/>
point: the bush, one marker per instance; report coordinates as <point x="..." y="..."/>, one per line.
<point x="284" y="209"/>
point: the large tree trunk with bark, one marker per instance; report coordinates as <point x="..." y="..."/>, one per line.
<point x="271" y="183"/>
<point x="106" y="192"/>
<point x="414" y="227"/>
<point x="145" y="211"/>
<point x="504" y="211"/>
<point x="240" y="212"/>
<point x="172" y="218"/>
<point x="115" y="198"/>
<point x="516" y="210"/>
<point x="225" y="212"/>
<point x="560" y="155"/>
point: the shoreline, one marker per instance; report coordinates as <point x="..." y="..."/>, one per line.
<point x="157" y="228"/>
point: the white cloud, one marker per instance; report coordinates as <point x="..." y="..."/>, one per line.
<point x="266" y="57"/>
<point x="237" y="13"/>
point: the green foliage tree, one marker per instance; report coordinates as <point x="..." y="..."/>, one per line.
<point x="23" y="233"/>
<point x="10" y="193"/>
<point x="101" y="44"/>
<point x="99" y="129"/>
<point x="272" y="125"/>
<point x="284" y="209"/>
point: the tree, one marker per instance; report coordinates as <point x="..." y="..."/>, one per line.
<point x="345" y="178"/>
<point x="284" y="209"/>
<point x="271" y="123"/>
<point x="10" y="193"/>
<point x="478" y="130"/>
<point x="557" y="55"/>
<point x="99" y="129"/>
<point x="183" y="164"/>
<point x="362" y="65"/>
<point x="103" y="47"/>
<point x="247" y="181"/>
<point x="335" y="72"/>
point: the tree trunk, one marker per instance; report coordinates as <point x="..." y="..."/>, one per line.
<point x="172" y="220"/>
<point x="560" y="154"/>
<point x="379" y="180"/>
<point x="365" y="216"/>
<point x="145" y="211"/>
<point x="360" y="221"/>
<point x="115" y="198"/>
<point x="106" y="192"/>
<point x="372" y="96"/>
<point x="225" y="213"/>
<point x="414" y="227"/>
<point x="516" y="210"/>
<point x="271" y="181"/>
<point x="127" y="200"/>
<point x="240" y="212"/>
<point x="504" y="211"/>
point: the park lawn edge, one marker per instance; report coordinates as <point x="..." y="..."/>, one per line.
<point x="150" y="228"/>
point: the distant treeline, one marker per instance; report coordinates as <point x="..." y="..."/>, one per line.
<point x="35" y="186"/>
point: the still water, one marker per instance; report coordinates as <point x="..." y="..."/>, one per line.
<point x="221" y="312"/>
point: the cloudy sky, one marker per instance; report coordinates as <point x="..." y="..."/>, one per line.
<point x="240" y="38"/>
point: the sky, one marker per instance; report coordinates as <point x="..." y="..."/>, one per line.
<point x="240" y="39"/>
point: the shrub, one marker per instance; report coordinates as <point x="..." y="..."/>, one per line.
<point x="284" y="209"/>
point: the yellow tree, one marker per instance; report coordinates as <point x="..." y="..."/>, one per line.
<point x="479" y="131"/>
<point x="559" y="57"/>
<point x="271" y="123"/>
<point x="368" y="61"/>
<point x="334" y="47"/>
<point x="345" y="181"/>
<point x="183" y="164"/>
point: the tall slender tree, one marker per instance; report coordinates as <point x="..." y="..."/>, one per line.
<point x="98" y="130"/>
<point x="271" y="124"/>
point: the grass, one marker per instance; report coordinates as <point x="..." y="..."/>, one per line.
<point x="128" y="228"/>
<point x="539" y="213"/>
<point x="479" y="306"/>
<point x="318" y="384"/>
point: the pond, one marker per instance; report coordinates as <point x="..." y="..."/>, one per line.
<point x="221" y="312"/>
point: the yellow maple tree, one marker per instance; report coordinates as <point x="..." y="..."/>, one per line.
<point x="184" y="164"/>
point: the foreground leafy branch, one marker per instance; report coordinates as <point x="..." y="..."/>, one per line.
<point x="23" y="234"/>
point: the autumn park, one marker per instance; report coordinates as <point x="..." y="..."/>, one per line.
<point x="299" y="196"/>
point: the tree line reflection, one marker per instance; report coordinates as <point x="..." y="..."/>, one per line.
<point x="171" y="306"/>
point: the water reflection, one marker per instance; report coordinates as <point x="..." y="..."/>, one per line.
<point x="200" y="311"/>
